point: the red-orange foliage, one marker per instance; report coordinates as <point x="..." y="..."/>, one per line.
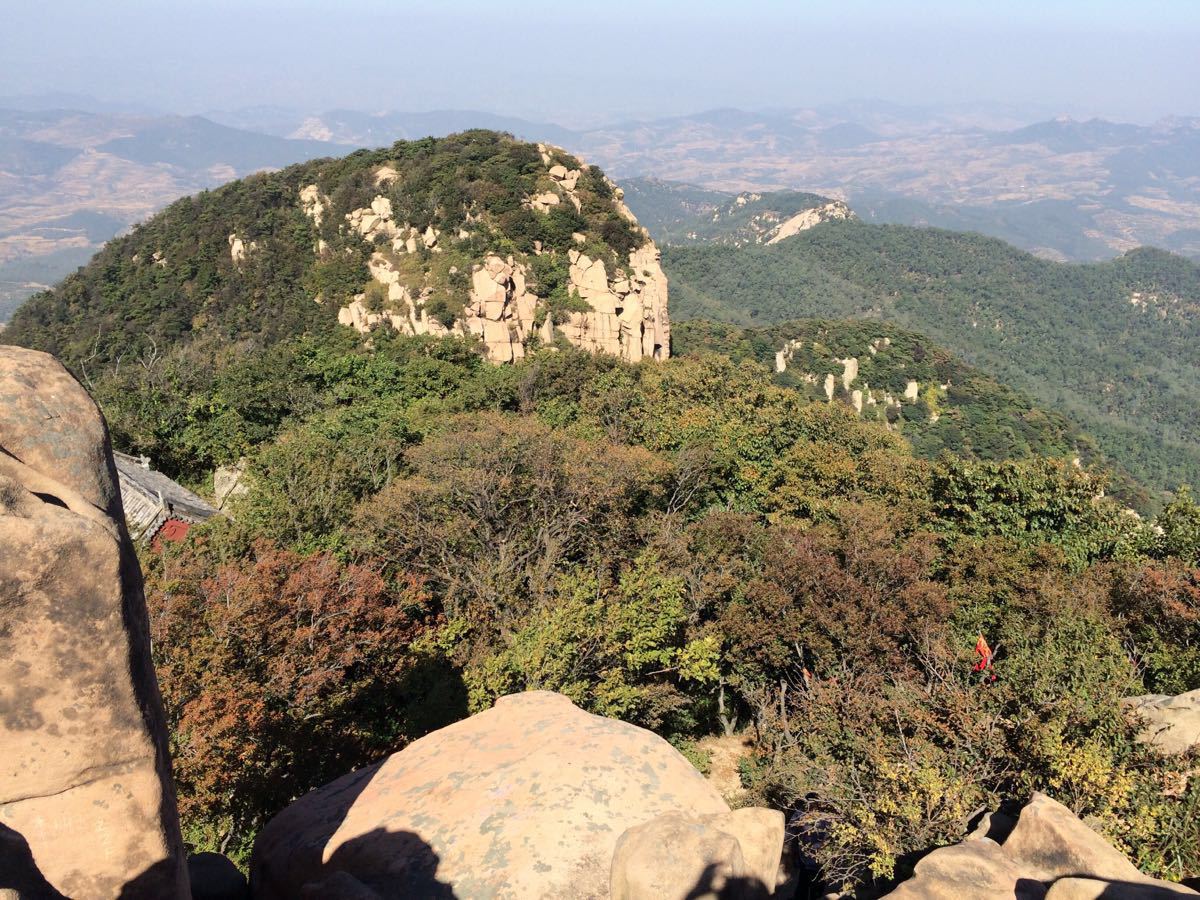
<point x="1160" y="605"/>
<point x="279" y="672"/>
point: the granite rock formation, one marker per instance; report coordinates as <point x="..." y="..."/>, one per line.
<point x="728" y="856"/>
<point x="1170" y="722"/>
<point x="627" y="312"/>
<point x="85" y="780"/>
<point x="1048" y="852"/>
<point x="527" y="799"/>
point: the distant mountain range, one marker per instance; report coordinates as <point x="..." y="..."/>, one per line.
<point x="71" y="180"/>
<point x="1063" y="189"/>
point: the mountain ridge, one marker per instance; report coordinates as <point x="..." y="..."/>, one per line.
<point x="1110" y="344"/>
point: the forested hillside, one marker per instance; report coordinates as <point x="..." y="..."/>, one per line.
<point x="256" y="260"/>
<point x="1112" y="345"/>
<point x="913" y="387"/>
<point x="700" y="545"/>
<point x="685" y="545"/>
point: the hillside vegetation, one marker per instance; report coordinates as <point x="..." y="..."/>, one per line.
<point x="913" y="387"/>
<point x="177" y="279"/>
<point x="695" y="545"/>
<point x="1112" y="345"/>
<point x="685" y="545"/>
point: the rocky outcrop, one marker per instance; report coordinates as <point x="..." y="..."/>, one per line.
<point x="1170" y="723"/>
<point x="1047" y="853"/>
<point x="854" y="389"/>
<point x="527" y="799"/>
<point x="627" y="313"/>
<point x="834" y="211"/>
<point x="731" y="856"/>
<point x="231" y="482"/>
<point x="240" y="250"/>
<point x="85" y="780"/>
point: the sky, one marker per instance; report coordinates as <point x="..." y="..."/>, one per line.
<point x="581" y="63"/>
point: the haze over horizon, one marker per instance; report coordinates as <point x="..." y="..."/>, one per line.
<point x="589" y="64"/>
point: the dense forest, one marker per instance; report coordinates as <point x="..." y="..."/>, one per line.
<point x="685" y="545"/>
<point x="699" y="546"/>
<point x="1112" y="345"/>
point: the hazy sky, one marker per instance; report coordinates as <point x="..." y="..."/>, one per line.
<point x="579" y="62"/>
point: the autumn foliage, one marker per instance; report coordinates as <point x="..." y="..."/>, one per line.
<point x="279" y="672"/>
<point x="694" y="548"/>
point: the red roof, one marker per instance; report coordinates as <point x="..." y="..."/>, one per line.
<point x="172" y="530"/>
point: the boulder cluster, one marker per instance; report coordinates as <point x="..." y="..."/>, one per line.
<point x="1047" y="852"/>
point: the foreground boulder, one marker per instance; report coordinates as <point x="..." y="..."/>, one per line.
<point x="1170" y="723"/>
<point x="1048" y="853"/>
<point x="527" y="799"/>
<point x="85" y="786"/>
<point x="729" y="856"/>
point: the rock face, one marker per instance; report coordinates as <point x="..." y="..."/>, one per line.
<point x="1048" y="853"/>
<point x="628" y="314"/>
<point x="1172" y="723"/>
<point x="729" y="856"/>
<point x="833" y="211"/>
<point x="85" y="780"/>
<point x="527" y="799"/>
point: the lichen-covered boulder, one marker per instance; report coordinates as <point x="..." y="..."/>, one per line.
<point x="84" y="775"/>
<point x="728" y="856"/>
<point x="1048" y="853"/>
<point x="1170" y="722"/>
<point x="524" y="800"/>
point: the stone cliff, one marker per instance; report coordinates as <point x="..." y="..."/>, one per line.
<point x="622" y="311"/>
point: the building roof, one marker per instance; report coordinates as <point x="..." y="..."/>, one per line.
<point x="150" y="498"/>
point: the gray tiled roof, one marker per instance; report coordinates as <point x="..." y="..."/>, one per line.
<point x="151" y="497"/>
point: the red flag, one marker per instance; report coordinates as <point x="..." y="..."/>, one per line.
<point x="985" y="658"/>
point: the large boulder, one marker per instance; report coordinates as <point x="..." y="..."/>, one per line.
<point x="973" y="870"/>
<point x="1048" y="853"/>
<point x="1050" y="842"/>
<point x="1170" y="723"/>
<point x="729" y="856"/>
<point x="527" y="799"/>
<point x="85" y="779"/>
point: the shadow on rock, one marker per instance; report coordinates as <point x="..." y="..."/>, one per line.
<point x="1132" y="890"/>
<point x="715" y="885"/>
<point x="158" y="881"/>
<point x="409" y="870"/>
<point x="18" y="871"/>
<point x="215" y="877"/>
